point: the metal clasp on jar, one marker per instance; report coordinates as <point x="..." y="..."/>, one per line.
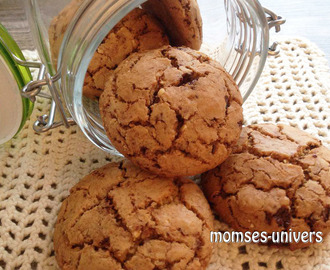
<point x="274" y="21"/>
<point x="33" y="89"/>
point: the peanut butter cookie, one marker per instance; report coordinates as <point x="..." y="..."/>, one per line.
<point x="138" y="31"/>
<point x="182" y="20"/>
<point x="120" y="217"/>
<point x="172" y="111"/>
<point x="277" y="179"/>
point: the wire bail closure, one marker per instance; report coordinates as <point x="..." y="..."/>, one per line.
<point x="33" y="89"/>
<point x="274" y="21"/>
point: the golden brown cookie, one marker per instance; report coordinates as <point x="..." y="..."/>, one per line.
<point x="137" y="31"/>
<point x="172" y="111"/>
<point x="120" y="217"/>
<point x="277" y="179"/>
<point x="182" y="20"/>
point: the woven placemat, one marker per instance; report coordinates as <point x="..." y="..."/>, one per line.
<point x="37" y="171"/>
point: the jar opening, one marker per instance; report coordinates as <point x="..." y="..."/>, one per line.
<point x="235" y="34"/>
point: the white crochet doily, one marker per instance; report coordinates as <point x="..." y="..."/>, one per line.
<point x="37" y="171"/>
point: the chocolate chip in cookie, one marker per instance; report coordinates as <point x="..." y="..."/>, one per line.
<point x="172" y="111"/>
<point x="120" y="217"/>
<point x="276" y="179"/>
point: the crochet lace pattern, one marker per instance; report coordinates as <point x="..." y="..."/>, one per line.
<point x="37" y="171"/>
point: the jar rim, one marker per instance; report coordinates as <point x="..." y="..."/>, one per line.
<point x="83" y="41"/>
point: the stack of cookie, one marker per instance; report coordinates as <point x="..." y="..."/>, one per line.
<point x="174" y="112"/>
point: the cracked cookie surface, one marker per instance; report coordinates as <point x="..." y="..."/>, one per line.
<point x="276" y="179"/>
<point x="182" y="20"/>
<point x="137" y="31"/>
<point x="172" y="111"/>
<point x="121" y="217"/>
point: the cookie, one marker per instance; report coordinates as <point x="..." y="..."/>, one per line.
<point x="137" y="31"/>
<point x="120" y="217"/>
<point x="172" y="111"/>
<point x="182" y="20"/>
<point x="277" y="179"/>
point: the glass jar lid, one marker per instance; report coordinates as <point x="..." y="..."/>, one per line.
<point x="14" y="109"/>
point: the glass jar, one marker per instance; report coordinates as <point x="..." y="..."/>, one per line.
<point x="236" y="33"/>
